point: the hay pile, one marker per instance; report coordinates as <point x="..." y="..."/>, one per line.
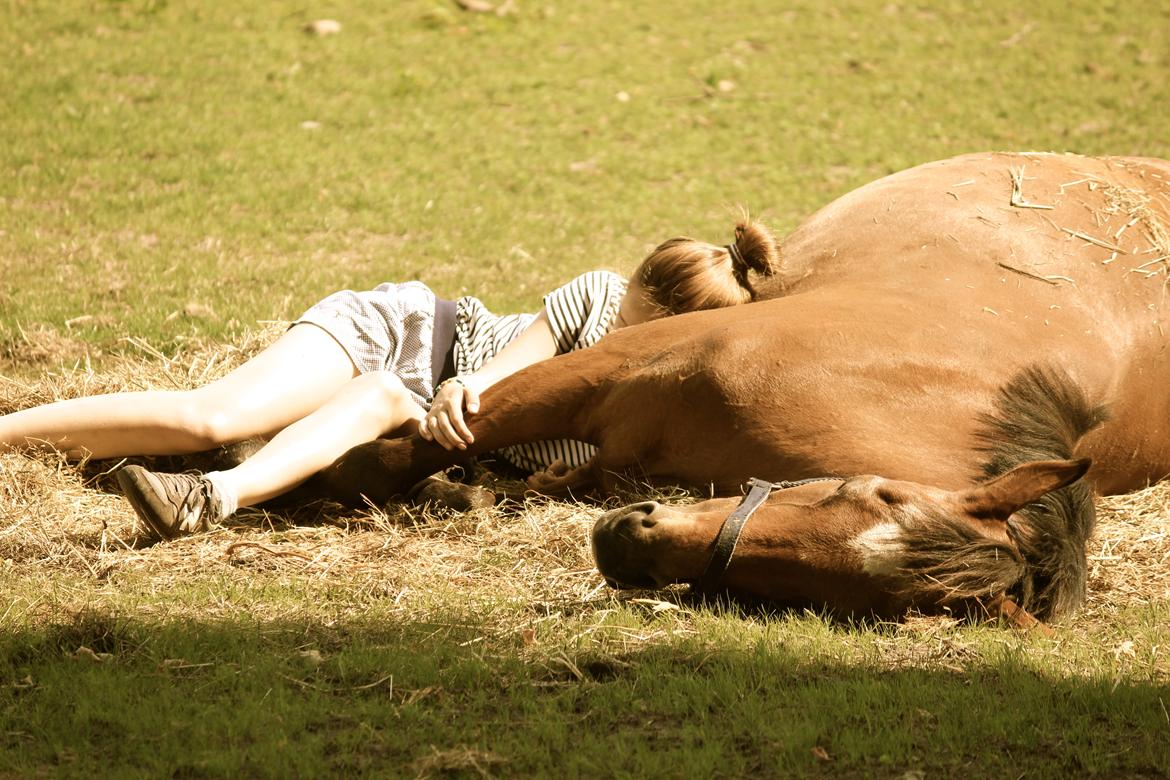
<point x="61" y="520"/>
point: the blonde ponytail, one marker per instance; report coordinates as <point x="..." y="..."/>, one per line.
<point x="683" y="274"/>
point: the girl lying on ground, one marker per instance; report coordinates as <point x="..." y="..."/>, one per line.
<point x="361" y="365"/>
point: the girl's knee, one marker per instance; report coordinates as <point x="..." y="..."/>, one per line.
<point x="211" y="421"/>
<point x="384" y="393"/>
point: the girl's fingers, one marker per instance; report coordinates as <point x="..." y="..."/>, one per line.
<point x="459" y="427"/>
<point x="444" y="423"/>
<point x="471" y="398"/>
<point x="446" y="433"/>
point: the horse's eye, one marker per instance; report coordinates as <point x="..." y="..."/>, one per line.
<point x="890" y="496"/>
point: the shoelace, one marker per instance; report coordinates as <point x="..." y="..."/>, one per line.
<point x="193" y="506"/>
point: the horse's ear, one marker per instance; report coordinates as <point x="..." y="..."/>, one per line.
<point x="1011" y="491"/>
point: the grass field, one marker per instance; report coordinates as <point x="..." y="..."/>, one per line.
<point x="174" y="175"/>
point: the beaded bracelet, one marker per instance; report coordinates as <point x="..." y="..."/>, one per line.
<point x="446" y="381"/>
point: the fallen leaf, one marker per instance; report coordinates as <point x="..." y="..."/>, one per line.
<point x="820" y="754"/>
<point x="198" y="310"/>
<point x="86" y="654"/>
<point x="83" y="319"/>
<point x="476" y="6"/>
<point x="323" y="27"/>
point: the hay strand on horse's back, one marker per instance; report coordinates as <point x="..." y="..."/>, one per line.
<point x="1094" y="240"/>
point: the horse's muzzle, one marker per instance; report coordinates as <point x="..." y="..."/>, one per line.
<point x="622" y="542"/>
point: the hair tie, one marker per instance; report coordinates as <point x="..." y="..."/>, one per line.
<point x="736" y="257"/>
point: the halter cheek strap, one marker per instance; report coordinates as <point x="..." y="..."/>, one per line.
<point x="729" y="532"/>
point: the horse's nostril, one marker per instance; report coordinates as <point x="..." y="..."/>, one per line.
<point x="642" y="513"/>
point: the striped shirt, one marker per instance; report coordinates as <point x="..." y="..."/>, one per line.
<point x="579" y="313"/>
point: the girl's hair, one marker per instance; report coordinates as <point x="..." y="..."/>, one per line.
<point x="684" y="274"/>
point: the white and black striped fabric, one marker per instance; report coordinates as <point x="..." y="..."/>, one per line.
<point x="580" y="313"/>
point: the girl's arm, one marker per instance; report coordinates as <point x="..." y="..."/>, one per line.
<point x="444" y="422"/>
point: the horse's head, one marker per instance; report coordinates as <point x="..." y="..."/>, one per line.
<point x="861" y="545"/>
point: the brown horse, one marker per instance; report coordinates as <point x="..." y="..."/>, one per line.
<point x="965" y="320"/>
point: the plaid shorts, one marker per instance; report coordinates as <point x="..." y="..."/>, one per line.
<point x="389" y="328"/>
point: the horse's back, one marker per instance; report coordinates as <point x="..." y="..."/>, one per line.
<point x="1094" y="227"/>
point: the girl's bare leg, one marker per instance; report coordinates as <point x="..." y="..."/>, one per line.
<point x="369" y="406"/>
<point x="288" y="380"/>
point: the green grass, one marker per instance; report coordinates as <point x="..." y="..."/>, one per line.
<point x="155" y="155"/>
<point x="714" y="695"/>
<point x="158" y="179"/>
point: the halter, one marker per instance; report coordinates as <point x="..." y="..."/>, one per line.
<point x="732" y="527"/>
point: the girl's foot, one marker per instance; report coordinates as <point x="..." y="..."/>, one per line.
<point x="172" y="505"/>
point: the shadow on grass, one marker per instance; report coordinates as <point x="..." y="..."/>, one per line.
<point x="104" y="694"/>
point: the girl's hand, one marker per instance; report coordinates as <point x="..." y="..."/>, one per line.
<point x="444" y="422"/>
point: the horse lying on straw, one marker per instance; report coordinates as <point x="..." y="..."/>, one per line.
<point x="974" y="331"/>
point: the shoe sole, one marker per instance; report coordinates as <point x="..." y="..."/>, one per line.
<point x="132" y="488"/>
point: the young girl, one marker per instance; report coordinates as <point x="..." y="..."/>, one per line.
<point x="361" y="365"/>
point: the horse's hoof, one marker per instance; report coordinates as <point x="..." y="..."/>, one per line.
<point x="439" y="492"/>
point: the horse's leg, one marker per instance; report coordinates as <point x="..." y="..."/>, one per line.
<point x="380" y="470"/>
<point x="564" y="482"/>
<point x="552" y="399"/>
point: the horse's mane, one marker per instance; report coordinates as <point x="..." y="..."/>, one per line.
<point x="1039" y="415"/>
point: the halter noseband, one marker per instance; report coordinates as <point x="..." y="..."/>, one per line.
<point x="732" y="527"/>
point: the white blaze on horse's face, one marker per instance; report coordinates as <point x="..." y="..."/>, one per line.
<point x="883" y="510"/>
<point x="891" y="509"/>
<point x="881" y="549"/>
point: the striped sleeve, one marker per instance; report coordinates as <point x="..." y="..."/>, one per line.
<point x="581" y="312"/>
<point x="539" y="455"/>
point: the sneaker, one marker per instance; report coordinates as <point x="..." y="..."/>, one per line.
<point x="173" y="505"/>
